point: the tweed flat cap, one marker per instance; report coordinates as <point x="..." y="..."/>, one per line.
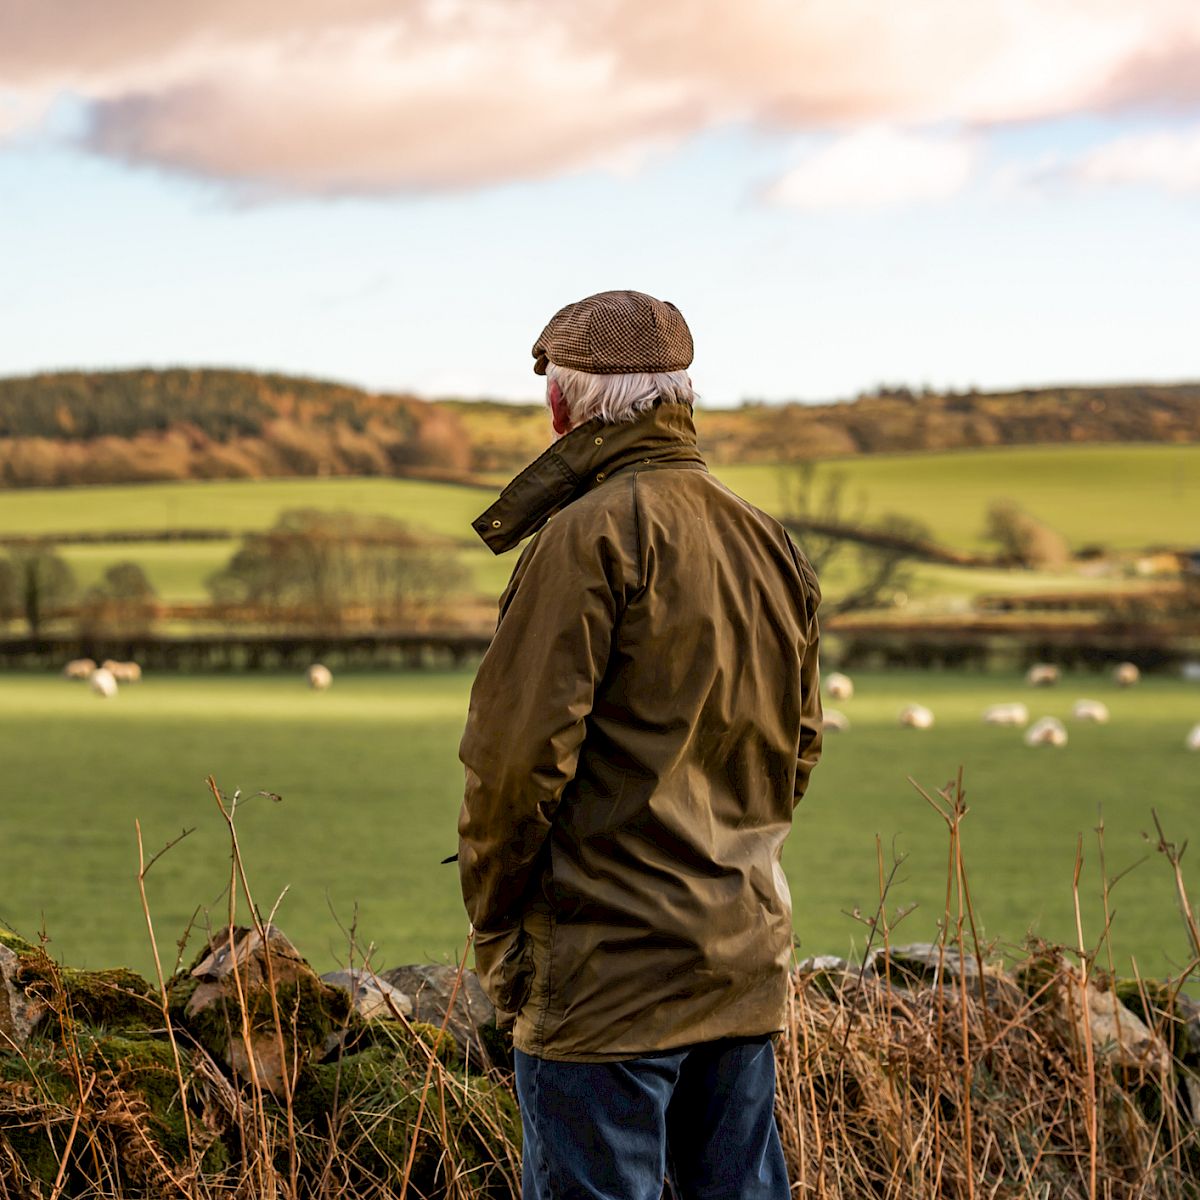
<point x="615" y="333"/>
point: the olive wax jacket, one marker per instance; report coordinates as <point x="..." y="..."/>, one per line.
<point x="640" y="730"/>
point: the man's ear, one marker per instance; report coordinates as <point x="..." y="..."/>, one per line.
<point x="560" y="414"/>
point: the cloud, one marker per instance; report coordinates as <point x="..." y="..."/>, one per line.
<point x="361" y="96"/>
<point x="874" y="168"/>
<point x="20" y="113"/>
<point x="1167" y="159"/>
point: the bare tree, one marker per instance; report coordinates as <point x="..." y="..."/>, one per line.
<point x="123" y="602"/>
<point x="43" y="582"/>
<point x="1022" y="538"/>
<point x="10" y="605"/>
<point x="331" y="569"/>
<point x="830" y="529"/>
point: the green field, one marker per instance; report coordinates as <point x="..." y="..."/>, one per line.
<point x="1121" y="497"/>
<point x="240" y="504"/>
<point x="370" y="785"/>
<point x="178" y="571"/>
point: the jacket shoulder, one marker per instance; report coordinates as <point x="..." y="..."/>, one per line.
<point x="594" y="535"/>
<point x="779" y="533"/>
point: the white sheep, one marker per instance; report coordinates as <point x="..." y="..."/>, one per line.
<point x="833" y="721"/>
<point x="839" y="686"/>
<point x="1090" y="710"/>
<point x="916" y="716"/>
<point x="79" y="668"/>
<point x="1193" y="738"/>
<point x="1046" y="731"/>
<point x="1006" y="714"/>
<point x="123" y="672"/>
<point x="319" y="677"/>
<point x="1042" y="675"/>
<point x="1126" y="674"/>
<point x="103" y="683"/>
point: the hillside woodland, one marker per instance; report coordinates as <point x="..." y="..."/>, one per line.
<point x="142" y="425"/>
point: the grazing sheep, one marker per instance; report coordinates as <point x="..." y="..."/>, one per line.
<point x="103" y="683"/>
<point x="916" y="716"/>
<point x="79" y="668"/>
<point x="1042" y="675"/>
<point x="839" y="686"/>
<point x="319" y="677"/>
<point x="1006" y="714"/>
<point x="123" y="672"/>
<point x="1046" y="731"/>
<point x="1193" y="738"/>
<point x="1090" y="710"/>
<point x="833" y="721"/>
<point x="1126" y="674"/>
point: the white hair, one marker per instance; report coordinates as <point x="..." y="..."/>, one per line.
<point x="617" y="398"/>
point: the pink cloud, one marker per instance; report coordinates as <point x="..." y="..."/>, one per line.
<point x="876" y="168"/>
<point x="330" y="96"/>
<point x="1168" y="159"/>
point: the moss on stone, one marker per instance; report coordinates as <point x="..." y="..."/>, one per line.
<point x="1040" y="970"/>
<point x="1157" y="1004"/>
<point x="116" y="998"/>
<point x="440" y="1041"/>
<point x="16" y="943"/>
<point x="145" y="1067"/>
<point x="372" y="1100"/>
<point x="36" y="1084"/>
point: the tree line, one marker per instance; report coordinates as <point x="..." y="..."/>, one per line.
<point x="127" y="426"/>
<point x="311" y="571"/>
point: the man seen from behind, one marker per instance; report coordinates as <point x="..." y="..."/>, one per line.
<point x="640" y="731"/>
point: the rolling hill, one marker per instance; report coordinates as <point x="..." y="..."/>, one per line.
<point x="135" y="426"/>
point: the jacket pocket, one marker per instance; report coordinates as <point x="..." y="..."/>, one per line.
<point x="504" y="965"/>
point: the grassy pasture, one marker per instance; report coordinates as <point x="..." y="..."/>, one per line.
<point x="178" y="571"/>
<point x="370" y="784"/>
<point x="1119" y="496"/>
<point x="1123" y="496"/>
<point x="238" y="504"/>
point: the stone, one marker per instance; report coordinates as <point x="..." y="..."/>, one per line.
<point x="920" y="964"/>
<point x="240" y="959"/>
<point x="373" y="998"/>
<point x="19" y="1013"/>
<point x="1117" y="1033"/>
<point x="1188" y="1011"/>
<point x="1190" y="1085"/>
<point x="828" y="964"/>
<point x="472" y="1021"/>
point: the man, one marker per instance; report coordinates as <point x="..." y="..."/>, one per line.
<point x="640" y="729"/>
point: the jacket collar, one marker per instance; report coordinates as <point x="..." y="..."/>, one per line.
<point x="581" y="460"/>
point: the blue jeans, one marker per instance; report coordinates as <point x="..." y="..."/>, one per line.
<point x="702" y="1117"/>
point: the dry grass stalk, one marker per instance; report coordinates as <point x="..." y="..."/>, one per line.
<point x="970" y="1084"/>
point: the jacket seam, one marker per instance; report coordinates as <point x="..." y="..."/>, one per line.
<point x="637" y="533"/>
<point x="540" y="1031"/>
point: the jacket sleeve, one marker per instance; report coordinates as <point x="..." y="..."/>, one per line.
<point x="529" y="704"/>
<point x="809" y="748"/>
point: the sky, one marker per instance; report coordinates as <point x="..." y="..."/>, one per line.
<point x="398" y="194"/>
